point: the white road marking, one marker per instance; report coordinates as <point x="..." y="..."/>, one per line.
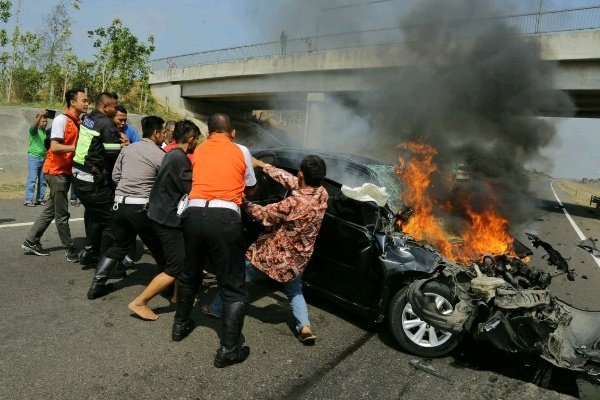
<point x="573" y="224"/>
<point x="31" y="223"/>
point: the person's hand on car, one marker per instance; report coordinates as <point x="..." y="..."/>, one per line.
<point x="256" y="163"/>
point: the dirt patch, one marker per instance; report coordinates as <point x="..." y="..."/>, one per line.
<point x="12" y="191"/>
<point x="579" y="192"/>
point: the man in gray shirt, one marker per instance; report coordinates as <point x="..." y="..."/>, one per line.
<point x="134" y="173"/>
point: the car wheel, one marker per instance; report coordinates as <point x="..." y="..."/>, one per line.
<point x="415" y="335"/>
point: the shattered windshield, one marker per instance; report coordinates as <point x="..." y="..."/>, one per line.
<point x="392" y="183"/>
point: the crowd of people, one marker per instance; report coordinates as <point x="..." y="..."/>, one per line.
<point x="182" y="195"/>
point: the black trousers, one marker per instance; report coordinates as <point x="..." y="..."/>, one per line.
<point x="98" y="199"/>
<point x="215" y="235"/>
<point x="130" y="221"/>
<point x="173" y="246"/>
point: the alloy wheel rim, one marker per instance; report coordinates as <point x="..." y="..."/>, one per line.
<point x="420" y="332"/>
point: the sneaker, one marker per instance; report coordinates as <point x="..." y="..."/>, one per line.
<point x="34" y="248"/>
<point x="74" y="203"/>
<point x="306" y="335"/>
<point x="71" y="253"/>
<point x="127" y="262"/>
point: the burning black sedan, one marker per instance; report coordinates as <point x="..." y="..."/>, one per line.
<point x="361" y="259"/>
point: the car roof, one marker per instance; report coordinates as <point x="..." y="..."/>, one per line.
<point x="348" y="169"/>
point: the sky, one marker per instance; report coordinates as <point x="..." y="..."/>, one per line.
<point x="189" y="26"/>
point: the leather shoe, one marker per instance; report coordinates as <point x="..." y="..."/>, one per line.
<point x="99" y="290"/>
<point x="226" y="357"/>
<point x="181" y="331"/>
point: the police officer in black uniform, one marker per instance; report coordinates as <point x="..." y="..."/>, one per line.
<point x="92" y="175"/>
<point x="135" y="171"/>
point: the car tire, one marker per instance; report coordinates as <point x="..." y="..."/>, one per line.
<point x="416" y="336"/>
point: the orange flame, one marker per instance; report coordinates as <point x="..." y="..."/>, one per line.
<point x="484" y="233"/>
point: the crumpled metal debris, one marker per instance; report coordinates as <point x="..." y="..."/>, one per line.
<point x="589" y="245"/>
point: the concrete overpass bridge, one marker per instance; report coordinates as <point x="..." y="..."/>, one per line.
<point x="259" y="77"/>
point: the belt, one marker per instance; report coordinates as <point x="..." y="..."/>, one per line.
<point x="214" y="204"/>
<point x="129" y="200"/>
<point x="84" y="177"/>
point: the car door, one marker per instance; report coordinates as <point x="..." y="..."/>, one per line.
<point x="345" y="263"/>
<point x="268" y="191"/>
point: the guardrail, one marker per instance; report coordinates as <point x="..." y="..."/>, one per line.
<point x="584" y="18"/>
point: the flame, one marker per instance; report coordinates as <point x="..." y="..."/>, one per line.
<point x="485" y="232"/>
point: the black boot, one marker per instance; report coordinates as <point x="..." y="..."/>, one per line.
<point x="182" y="324"/>
<point x="88" y="256"/>
<point x="232" y="350"/>
<point x="99" y="286"/>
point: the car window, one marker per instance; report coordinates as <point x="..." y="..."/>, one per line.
<point x="267" y="190"/>
<point x="350" y="210"/>
<point x="387" y="176"/>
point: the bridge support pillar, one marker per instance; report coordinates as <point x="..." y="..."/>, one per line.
<point x="315" y="120"/>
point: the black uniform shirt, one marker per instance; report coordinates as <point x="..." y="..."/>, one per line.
<point x="173" y="181"/>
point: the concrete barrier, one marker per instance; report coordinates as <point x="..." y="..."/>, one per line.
<point x="14" y="140"/>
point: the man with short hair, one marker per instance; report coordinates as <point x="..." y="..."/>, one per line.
<point x="221" y="174"/>
<point x="169" y="129"/>
<point x="92" y="170"/>
<point x="283" y="250"/>
<point x="36" y="155"/>
<point x="120" y="120"/>
<point x="134" y="173"/>
<point x="57" y="173"/>
<point x="174" y="180"/>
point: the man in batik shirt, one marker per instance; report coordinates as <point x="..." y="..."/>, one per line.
<point x="282" y="251"/>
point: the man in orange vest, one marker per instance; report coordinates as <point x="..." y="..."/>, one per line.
<point x="212" y="226"/>
<point x="58" y="175"/>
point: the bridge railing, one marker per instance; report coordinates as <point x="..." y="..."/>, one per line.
<point x="585" y="18"/>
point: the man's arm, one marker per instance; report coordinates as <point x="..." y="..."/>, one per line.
<point x="60" y="148"/>
<point x="116" y="174"/>
<point x="59" y="126"/>
<point x="249" y="177"/>
<point x="272" y="214"/>
<point x="38" y="120"/>
<point x="278" y="175"/>
<point x="249" y="190"/>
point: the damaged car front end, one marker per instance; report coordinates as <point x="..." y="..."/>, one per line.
<point x="504" y="301"/>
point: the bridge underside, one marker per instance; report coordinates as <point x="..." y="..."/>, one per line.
<point x="586" y="102"/>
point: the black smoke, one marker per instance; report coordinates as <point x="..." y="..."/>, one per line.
<point x="476" y="93"/>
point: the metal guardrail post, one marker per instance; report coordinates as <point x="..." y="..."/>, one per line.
<point x="539" y="17"/>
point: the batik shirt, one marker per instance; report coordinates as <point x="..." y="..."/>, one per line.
<point x="284" y="248"/>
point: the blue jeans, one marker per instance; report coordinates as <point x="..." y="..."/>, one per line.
<point x="34" y="173"/>
<point x="73" y="195"/>
<point x="292" y="289"/>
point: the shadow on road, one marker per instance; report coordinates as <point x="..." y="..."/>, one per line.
<point x="576" y="210"/>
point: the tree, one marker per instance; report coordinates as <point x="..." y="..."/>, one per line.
<point x="56" y="36"/>
<point x="4" y="16"/>
<point x="57" y="58"/>
<point x="121" y="59"/>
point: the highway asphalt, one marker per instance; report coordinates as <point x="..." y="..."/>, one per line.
<point x="57" y="344"/>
